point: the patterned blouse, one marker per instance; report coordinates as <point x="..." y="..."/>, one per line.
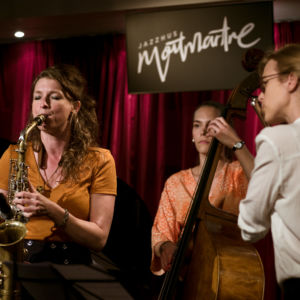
<point x="228" y="188"/>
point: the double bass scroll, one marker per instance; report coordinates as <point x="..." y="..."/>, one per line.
<point x="221" y="264"/>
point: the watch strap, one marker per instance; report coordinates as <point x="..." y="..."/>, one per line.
<point x="238" y="145"/>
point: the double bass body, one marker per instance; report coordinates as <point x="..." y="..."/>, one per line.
<point x="222" y="266"/>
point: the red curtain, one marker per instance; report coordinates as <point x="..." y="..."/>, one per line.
<point x="149" y="135"/>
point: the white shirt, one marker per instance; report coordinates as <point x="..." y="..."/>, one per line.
<point x="273" y="197"/>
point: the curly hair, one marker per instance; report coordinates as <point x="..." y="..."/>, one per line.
<point x="84" y="124"/>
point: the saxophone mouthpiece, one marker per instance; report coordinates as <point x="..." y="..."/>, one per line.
<point x="40" y="119"/>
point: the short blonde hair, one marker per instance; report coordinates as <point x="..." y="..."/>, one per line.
<point x="287" y="58"/>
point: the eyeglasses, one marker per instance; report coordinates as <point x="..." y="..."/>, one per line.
<point x="263" y="83"/>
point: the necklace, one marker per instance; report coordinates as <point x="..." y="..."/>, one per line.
<point x="52" y="181"/>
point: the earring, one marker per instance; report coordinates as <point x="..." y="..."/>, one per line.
<point x="193" y="140"/>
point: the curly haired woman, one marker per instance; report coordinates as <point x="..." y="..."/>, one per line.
<point x="70" y="201"/>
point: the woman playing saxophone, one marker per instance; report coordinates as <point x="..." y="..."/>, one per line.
<point x="72" y="181"/>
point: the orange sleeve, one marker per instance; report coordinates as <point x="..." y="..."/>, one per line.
<point x="173" y="206"/>
<point x="4" y="168"/>
<point x="104" y="176"/>
<point x="164" y="228"/>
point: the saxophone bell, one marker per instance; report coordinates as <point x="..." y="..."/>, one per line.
<point x="12" y="234"/>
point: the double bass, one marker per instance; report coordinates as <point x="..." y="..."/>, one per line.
<point x="219" y="265"/>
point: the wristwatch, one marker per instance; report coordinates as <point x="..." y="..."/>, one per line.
<point x="238" y="145"/>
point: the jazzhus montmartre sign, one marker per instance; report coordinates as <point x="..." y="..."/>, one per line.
<point x="194" y="49"/>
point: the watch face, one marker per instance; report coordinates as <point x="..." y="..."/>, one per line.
<point x="238" y="145"/>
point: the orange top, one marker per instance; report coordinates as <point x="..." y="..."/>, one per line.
<point x="228" y="188"/>
<point x="97" y="177"/>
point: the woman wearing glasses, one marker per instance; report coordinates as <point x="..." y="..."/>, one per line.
<point x="273" y="196"/>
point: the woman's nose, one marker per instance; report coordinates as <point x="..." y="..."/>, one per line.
<point x="44" y="102"/>
<point x="260" y="97"/>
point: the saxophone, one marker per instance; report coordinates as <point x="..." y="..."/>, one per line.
<point x="13" y="229"/>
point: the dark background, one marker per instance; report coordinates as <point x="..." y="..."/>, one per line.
<point x="210" y="69"/>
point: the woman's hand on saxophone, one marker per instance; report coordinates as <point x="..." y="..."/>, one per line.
<point x="33" y="203"/>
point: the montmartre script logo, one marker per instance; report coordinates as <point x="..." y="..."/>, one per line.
<point x="175" y="45"/>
